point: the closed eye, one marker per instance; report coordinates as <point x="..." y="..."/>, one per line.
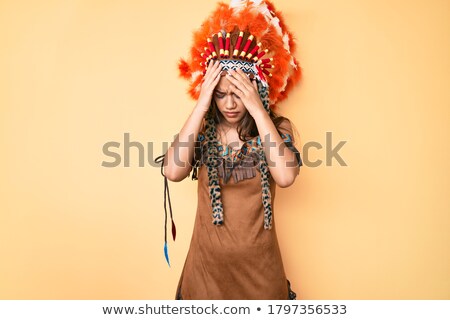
<point x="220" y="95"/>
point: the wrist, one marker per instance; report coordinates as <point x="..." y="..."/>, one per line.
<point x="199" y="110"/>
<point x="259" y="115"/>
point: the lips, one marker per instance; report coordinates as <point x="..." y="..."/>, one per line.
<point x="231" y="114"/>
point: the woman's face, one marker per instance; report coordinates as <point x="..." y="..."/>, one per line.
<point x="228" y="103"/>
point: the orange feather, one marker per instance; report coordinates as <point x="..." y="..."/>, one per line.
<point x="259" y="25"/>
<point x="184" y="69"/>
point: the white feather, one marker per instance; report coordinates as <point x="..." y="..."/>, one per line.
<point x="286" y="42"/>
<point x="238" y="4"/>
<point x="194" y="77"/>
<point x="276" y="23"/>
<point x="261" y="7"/>
<point x="195" y="74"/>
<point x="285" y="80"/>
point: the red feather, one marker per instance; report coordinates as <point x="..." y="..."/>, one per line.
<point x="174" y="231"/>
<point x="184" y="68"/>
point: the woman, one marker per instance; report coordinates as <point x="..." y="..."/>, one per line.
<point x="234" y="252"/>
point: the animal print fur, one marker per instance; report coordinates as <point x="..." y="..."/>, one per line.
<point x="212" y="162"/>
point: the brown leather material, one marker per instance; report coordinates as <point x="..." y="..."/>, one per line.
<point x="239" y="259"/>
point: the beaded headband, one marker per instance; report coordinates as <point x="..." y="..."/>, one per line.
<point x="252" y="70"/>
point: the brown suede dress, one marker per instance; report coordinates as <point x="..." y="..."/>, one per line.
<point x="239" y="259"/>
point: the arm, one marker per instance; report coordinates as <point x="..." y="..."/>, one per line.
<point x="179" y="157"/>
<point x="281" y="160"/>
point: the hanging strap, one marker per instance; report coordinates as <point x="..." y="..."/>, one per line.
<point x="198" y="150"/>
<point x="161" y="159"/>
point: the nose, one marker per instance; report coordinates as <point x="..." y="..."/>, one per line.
<point x="230" y="103"/>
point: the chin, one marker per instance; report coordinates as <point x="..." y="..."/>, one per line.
<point x="233" y="120"/>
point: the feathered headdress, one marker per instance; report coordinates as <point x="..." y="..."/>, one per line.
<point x="252" y="32"/>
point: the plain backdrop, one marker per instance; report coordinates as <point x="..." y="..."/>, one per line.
<point x="75" y="75"/>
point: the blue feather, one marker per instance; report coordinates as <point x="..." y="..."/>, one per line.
<point x="166" y="253"/>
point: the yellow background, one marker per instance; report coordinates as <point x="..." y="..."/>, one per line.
<point x="77" y="74"/>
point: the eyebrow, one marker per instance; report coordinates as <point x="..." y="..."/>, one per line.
<point x="218" y="91"/>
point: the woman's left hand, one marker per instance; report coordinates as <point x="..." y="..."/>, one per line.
<point x="246" y="90"/>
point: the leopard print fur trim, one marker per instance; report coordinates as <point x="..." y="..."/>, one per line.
<point x="212" y="163"/>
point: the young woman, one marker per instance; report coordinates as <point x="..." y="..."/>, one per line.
<point x="234" y="134"/>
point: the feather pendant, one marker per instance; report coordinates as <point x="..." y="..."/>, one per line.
<point x="174" y="231"/>
<point x="166" y="253"/>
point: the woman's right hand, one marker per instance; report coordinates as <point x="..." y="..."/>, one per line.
<point x="210" y="81"/>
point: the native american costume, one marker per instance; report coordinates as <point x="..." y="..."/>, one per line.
<point x="234" y="252"/>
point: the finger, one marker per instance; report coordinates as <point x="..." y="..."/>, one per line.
<point x="217" y="68"/>
<point x="212" y="71"/>
<point x="208" y="71"/>
<point x="216" y="81"/>
<point x="237" y="83"/>
<point x="237" y="91"/>
<point x="242" y="77"/>
<point x="249" y="83"/>
<point x="216" y="75"/>
<point x="211" y="67"/>
<point x="255" y="84"/>
<point x="210" y="84"/>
